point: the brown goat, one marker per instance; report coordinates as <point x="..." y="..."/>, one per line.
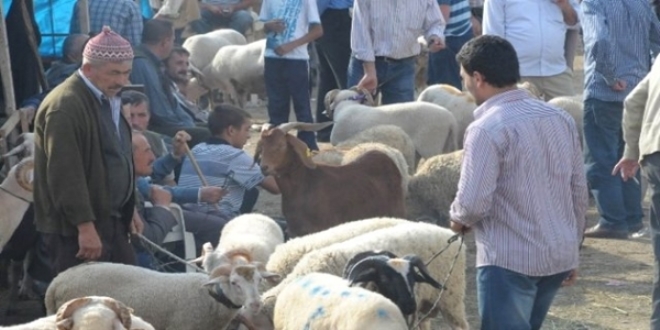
<point x="316" y="197"/>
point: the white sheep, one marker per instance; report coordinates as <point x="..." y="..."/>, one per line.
<point x="26" y="148"/>
<point x="323" y="301"/>
<point x="255" y="235"/>
<point x="15" y="198"/>
<point x="342" y="156"/>
<point x="433" y="188"/>
<point x="203" y="47"/>
<point x="574" y="106"/>
<point x="98" y="313"/>
<point x="432" y="128"/>
<point x="421" y="239"/>
<point x="460" y="104"/>
<point x="238" y="70"/>
<point x="167" y="301"/>
<point x="422" y="65"/>
<point x="389" y="135"/>
<point x="287" y="255"/>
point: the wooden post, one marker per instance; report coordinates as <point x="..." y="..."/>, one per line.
<point x="5" y="67"/>
<point x="83" y="16"/>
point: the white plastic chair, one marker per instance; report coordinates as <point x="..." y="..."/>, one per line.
<point x="179" y="234"/>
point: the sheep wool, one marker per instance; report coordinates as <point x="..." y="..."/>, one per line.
<point x="389" y="135"/>
<point x="460" y="104"/>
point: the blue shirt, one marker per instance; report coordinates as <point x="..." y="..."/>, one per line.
<point x="459" y="17"/>
<point x="619" y="37"/>
<point x="333" y="4"/>
<point x="122" y="16"/>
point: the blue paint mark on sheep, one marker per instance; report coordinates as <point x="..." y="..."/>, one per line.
<point x="325" y="292"/>
<point x="382" y="313"/>
<point x="316" y="290"/>
<point x="306" y="283"/>
<point x="318" y="312"/>
<point x="345" y="293"/>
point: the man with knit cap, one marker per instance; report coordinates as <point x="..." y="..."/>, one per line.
<point x="83" y="184"/>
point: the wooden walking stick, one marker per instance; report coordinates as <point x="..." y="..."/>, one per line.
<point x="198" y="170"/>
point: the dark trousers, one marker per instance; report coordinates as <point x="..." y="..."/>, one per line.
<point x="334" y="52"/>
<point x="287" y="80"/>
<point x="205" y="227"/>
<point x="443" y="67"/>
<point x="396" y="78"/>
<point x="651" y="170"/>
<point x="62" y="250"/>
<point x="513" y="301"/>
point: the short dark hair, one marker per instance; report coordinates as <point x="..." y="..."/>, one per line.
<point x="493" y="57"/>
<point x="179" y="51"/>
<point x="70" y="42"/>
<point x="133" y="97"/>
<point x="156" y="30"/>
<point x="225" y="115"/>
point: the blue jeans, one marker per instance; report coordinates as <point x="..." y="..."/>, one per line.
<point x="287" y="80"/>
<point x="651" y="169"/>
<point x="619" y="203"/>
<point x="240" y="20"/>
<point x="513" y="301"/>
<point x="397" y="77"/>
<point x="443" y="67"/>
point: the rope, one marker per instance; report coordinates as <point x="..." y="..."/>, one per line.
<point x="14" y="195"/>
<point x="451" y="270"/>
<point x="169" y="254"/>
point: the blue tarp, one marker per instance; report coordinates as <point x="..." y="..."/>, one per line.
<point x="54" y="18"/>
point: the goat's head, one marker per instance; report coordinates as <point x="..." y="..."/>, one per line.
<point x="354" y="94"/>
<point x="394" y="277"/>
<point x="277" y="150"/>
<point x="238" y="285"/>
<point x="93" y="312"/>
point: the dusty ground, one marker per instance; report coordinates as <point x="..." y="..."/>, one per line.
<point x="613" y="291"/>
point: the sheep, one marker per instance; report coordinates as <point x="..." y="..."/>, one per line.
<point x="26" y="148"/>
<point x="98" y="313"/>
<point x="389" y="135"/>
<point x="203" y="47"/>
<point x="255" y="235"/>
<point x="532" y="90"/>
<point x="337" y="156"/>
<point x="317" y="196"/>
<point x="287" y="255"/>
<point x="238" y="70"/>
<point x="421" y="239"/>
<point x="574" y="106"/>
<point x="325" y="302"/>
<point x="460" y="104"/>
<point x="15" y="198"/>
<point x="433" y="187"/>
<point x="432" y="128"/>
<point x="167" y="301"/>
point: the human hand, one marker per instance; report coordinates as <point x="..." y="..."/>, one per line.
<point x="571" y="278"/>
<point x="458" y="227"/>
<point x="226" y="10"/>
<point x="282" y="50"/>
<point x="619" y="86"/>
<point x="562" y="3"/>
<point x="180" y="144"/>
<point x="435" y="44"/>
<point x="137" y="226"/>
<point x="276" y="25"/>
<point x="212" y="194"/>
<point x="369" y="82"/>
<point x="627" y="168"/>
<point x="160" y="196"/>
<point x="89" y="243"/>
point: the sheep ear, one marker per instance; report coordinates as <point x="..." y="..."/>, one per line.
<point x="329" y="103"/>
<point x="420" y="272"/>
<point x="301" y="149"/>
<point x="272" y="278"/>
<point x="122" y="311"/>
<point x="66" y="324"/>
<point x="66" y="310"/>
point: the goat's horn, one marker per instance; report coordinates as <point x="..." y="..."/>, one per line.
<point x="304" y="126"/>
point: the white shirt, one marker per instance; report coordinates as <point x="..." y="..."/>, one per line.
<point x="535" y="28"/>
<point x="298" y="16"/>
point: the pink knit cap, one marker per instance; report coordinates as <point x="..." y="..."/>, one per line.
<point x="108" y="46"/>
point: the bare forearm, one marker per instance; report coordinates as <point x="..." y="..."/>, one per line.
<point x="445" y="10"/>
<point x="369" y="67"/>
<point x="570" y="16"/>
<point x="314" y="33"/>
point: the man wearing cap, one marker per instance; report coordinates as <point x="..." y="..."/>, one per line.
<point x="83" y="177"/>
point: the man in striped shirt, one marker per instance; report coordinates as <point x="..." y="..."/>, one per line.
<point x="443" y="68"/>
<point x="384" y="44"/>
<point x="522" y="190"/>
<point x="619" y="38"/>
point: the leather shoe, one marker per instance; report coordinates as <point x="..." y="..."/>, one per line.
<point x="600" y="232"/>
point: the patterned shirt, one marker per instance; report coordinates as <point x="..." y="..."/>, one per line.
<point x="391" y="27"/>
<point x="459" y="17"/>
<point x="298" y="16"/>
<point x="619" y="37"/>
<point x="522" y="188"/>
<point x="122" y="16"/>
<point x="223" y="166"/>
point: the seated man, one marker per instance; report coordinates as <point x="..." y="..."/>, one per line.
<point x="234" y="14"/>
<point x="224" y="163"/>
<point x="177" y="66"/>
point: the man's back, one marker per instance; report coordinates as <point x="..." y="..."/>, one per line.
<point x="619" y="37"/>
<point x="123" y="16"/>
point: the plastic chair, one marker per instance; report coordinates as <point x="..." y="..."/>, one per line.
<point x="179" y="234"/>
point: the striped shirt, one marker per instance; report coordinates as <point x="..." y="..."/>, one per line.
<point x="223" y="166"/>
<point x="522" y="188"/>
<point x="619" y="36"/>
<point x="390" y="28"/>
<point x="459" y="17"/>
<point x="122" y="16"/>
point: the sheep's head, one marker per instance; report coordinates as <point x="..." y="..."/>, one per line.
<point x="394" y="277"/>
<point x="25" y="149"/>
<point x="354" y="94"/>
<point x="277" y="150"/>
<point x="93" y="312"/>
<point x="210" y="258"/>
<point x="532" y="90"/>
<point x="19" y="180"/>
<point x="238" y="285"/>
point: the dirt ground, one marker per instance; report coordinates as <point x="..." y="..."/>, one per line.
<point x="613" y="291"/>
